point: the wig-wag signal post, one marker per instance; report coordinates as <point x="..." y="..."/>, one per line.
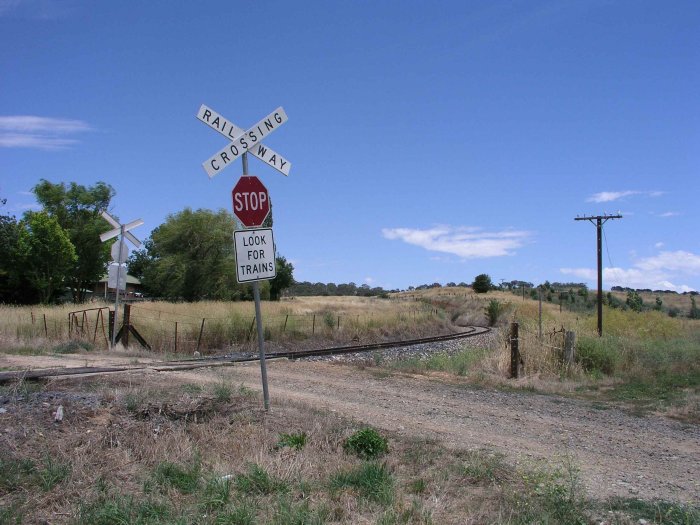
<point x="254" y="246"/>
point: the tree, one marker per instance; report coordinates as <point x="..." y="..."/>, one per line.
<point x="634" y="301"/>
<point x="283" y="280"/>
<point x="77" y="210"/>
<point x="482" y="283"/>
<point x="694" y="310"/>
<point x="45" y="253"/>
<point x="190" y="257"/>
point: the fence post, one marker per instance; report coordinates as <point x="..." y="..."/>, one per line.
<point x="46" y="330"/>
<point x="569" y="348"/>
<point x="201" y="331"/>
<point x="313" y="325"/>
<point x="175" y="337"/>
<point x="514" y="351"/>
<point x="285" y="323"/>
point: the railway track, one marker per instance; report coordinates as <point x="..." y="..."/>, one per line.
<point x="232" y="358"/>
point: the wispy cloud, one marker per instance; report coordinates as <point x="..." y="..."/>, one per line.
<point x="467" y="243"/>
<point x="28" y="131"/>
<point x="669" y="214"/>
<point x="657" y="273"/>
<point x="610" y="196"/>
<point x="37" y="9"/>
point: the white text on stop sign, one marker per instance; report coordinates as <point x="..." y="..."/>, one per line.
<point x="249" y="200"/>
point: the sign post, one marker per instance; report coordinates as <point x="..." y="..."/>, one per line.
<point x="254" y="246"/>
<point x="119" y="255"/>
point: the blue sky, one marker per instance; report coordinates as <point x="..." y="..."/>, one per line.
<point x="428" y="141"/>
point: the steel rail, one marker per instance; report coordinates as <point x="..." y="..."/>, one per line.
<point x="228" y="359"/>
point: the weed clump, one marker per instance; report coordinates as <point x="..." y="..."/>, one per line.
<point x="366" y="443"/>
<point x="73" y="346"/>
<point x="296" y="441"/>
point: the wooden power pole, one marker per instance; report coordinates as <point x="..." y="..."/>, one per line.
<point x="599" y="221"/>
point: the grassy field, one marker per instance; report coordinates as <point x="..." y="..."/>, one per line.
<point x="212" y="326"/>
<point x="143" y="450"/>
<point x="156" y="452"/>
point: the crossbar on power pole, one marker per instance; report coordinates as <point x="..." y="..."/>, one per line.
<point x="599" y="221"/>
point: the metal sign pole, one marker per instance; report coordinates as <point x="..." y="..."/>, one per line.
<point x="258" y="321"/>
<point x="116" y="299"/>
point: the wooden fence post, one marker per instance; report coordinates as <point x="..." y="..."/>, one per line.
<point x="175" y="337"/>
<point x="514" y="351"/>
<point x="313" y="326"/>
<point x="201" y="331"/>
<point x="569" y="348"/>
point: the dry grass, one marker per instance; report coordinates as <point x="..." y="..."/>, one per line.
<point x="213" y="326"/>
<point x="125" y="439"/>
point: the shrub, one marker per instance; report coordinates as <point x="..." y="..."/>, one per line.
<point x="494" y="310"/>
<point x="596" y="355"/>
<point x="366" y="443"/>
<point x="73" y="346"/>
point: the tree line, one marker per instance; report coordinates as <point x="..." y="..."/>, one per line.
<point x="55" y="254"/>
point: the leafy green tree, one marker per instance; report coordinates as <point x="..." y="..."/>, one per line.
<point x="482" y="283"/>
<point x="77" y="210"/>
<point x="283" y="280"/>
<point x="14" y="288"/>
<point x="191" y="257"/>
<point x="45" y="253"/>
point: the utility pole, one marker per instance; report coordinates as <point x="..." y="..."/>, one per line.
<point x="599" y="221"/>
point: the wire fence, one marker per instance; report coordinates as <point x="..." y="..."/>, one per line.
<point x="167" y="331"/>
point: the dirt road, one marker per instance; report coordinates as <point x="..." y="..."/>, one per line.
<point x="618" y="454"/>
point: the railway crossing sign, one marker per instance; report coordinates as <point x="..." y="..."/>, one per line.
<point x="118" y="229"/>
<point x="117" y="272"/>
<point x="255" y="255"/>
<point x="243" y="141"/>
<point x="251" y="202"/>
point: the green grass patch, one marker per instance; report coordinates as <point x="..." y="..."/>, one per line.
<point x="482" y="466"/>
<point x="258" y="482"/>
<point x="15" y="473"/>
<point x="657" y="511"/>
<point x="372" y="480"/>
<point x="552" y="496"/>
<point x="181" y="477"/>
<point x="223" y="392"/>
<point x="288" y="512"/>
<point x="366" y="443"/>
<point x="296" y="440"/>
<point x="458" y="364"/>
<point x="118" y="510"/>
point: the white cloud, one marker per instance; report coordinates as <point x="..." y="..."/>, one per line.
<point x="659" y="245"/>
<point x="610" y="196"/>
<point x="657" y="272"/>
<point x="467" y="243"/>
<point x="669" y="214"/>
<point x="27" y="131"/>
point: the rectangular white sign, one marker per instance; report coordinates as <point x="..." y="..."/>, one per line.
<point x="248" y="141"/>
<point x="228" y="129"/>
<point x="255" y="255"/>
<point x="112" y="276"/>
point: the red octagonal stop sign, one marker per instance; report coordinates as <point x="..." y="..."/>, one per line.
<point x="251" y="202"/>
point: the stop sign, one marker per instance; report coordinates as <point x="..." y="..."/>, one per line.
<point x="251" y="203"/>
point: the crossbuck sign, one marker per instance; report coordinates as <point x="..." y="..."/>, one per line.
<point x="243" y="141"/>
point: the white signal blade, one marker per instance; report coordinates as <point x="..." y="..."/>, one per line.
<point x="133" y="239"/>
<point x="106" y="216"/>
<point x="110" y="234"/>
<point x="133" y="224"/>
